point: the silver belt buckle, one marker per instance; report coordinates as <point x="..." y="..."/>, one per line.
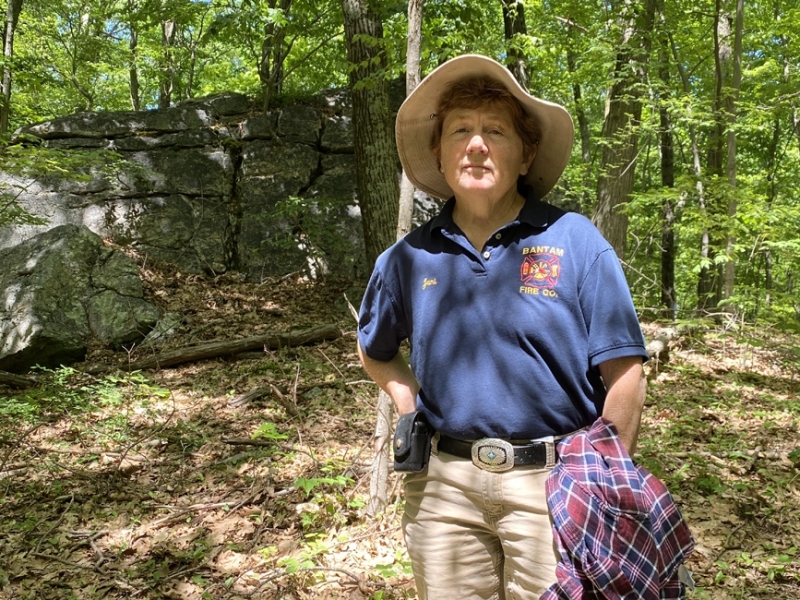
<point x="493" y="454"/>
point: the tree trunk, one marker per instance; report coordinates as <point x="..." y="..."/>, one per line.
<point x="514" y="24"/>
<point x="378" y="191"/>
<point x="583" y="131"/>
<point x="796" y="125"/>
<point x="697" y="168"/>
<point x="771" y="168"/>
<point x="709" y="284"/>
<point x="620" y="127"/>
<point x="731" y="98"/>
<point x="379" y="471"/>
<point x="406" y="208"/>
<point x="133" y="70"/>
<point x="668" y="297"/>
<point x="75" y="62"/>
<point x="580" y="114"/>
<point x="13" y="8"/>
<point x="772" y="158"/>
<point x="187" y="94"/>
<point x="273" y="55"/>
<point x="167" y="83"/>
<point x="373" y="135"/>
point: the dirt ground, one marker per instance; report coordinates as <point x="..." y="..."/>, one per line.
<point x="172" y="484"/>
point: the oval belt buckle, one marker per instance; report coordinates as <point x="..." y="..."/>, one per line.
<point x="493" y="454"/>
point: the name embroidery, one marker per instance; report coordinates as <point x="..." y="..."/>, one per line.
<point x="428" y="282"/>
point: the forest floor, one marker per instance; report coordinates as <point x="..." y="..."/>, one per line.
<point x="163" y="484"/>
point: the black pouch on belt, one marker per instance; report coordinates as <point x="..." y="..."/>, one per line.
<point x="412" y="443"/>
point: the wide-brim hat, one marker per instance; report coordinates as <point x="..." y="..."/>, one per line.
<point x="417" y="119"/>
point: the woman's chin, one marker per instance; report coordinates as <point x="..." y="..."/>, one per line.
<point x="478" y="187"/>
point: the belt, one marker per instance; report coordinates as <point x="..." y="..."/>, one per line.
<point x="496" y="455"/>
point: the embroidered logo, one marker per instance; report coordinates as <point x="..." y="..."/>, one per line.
<point x="428" y="282"/>
<point x="540" y="270"/>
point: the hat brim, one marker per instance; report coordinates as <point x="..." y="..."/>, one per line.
<point x="416" y="121"/>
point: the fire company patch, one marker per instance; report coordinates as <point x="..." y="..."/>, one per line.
<point x="540" y="270"/>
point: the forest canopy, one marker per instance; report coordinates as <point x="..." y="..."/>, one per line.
<point x="687" y="113"/>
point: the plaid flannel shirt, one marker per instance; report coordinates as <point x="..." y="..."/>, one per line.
<point x="619" y="533"/>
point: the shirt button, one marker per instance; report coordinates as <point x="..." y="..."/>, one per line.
<point x="497" y="236"/>
<point x="487" y="254"/>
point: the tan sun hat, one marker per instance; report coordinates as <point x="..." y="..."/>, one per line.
<point x="416" y="121"/>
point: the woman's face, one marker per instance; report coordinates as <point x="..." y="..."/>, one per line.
<point x="481" y="152"/>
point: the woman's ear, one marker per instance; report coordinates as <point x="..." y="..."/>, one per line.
<point x="528" y="160"/>
<point x="436" y="151"/>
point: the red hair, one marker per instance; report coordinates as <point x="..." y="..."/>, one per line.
<point x="480" y="92"/>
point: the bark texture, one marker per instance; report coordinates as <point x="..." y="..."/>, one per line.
<point x="620" y="127"/>
<point x="166" y="84"/>
<point x="406" y="208"/>
<point x="273" y="54"/>
<point x="373" y="134"/>
<point x="13" y="8"/>
<point x="731" y="100"/>
<point x="668" y="298"/>
<point x="514" y="25"/>
<point x="712" y="239"/>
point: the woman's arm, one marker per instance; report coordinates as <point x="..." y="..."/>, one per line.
<point x="395" y="378"/>
<point x="626" y="390"/>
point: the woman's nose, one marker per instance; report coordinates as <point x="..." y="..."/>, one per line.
<point x="477" y="144"/>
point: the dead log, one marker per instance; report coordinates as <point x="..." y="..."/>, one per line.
<point x="16" y="381"/>
<point x="216" y="349"/>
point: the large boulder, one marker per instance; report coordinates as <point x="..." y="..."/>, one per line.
<point x="61" y="288"/>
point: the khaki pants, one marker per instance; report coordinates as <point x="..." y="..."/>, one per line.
<point x="475" y="535"/>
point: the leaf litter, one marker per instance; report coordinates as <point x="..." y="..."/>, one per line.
<point x="162" y="484"/>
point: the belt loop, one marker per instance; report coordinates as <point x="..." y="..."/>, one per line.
<point x="435" y="443"/>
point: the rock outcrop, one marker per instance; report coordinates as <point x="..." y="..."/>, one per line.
<point x="207" y="185"/>
<point x="59" y="289"/>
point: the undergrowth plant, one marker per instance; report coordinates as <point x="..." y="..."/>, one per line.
<point x="66" y="391"/>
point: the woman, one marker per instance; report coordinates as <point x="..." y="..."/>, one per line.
<point x="521" y="327"/>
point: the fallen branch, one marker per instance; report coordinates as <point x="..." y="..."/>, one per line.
<point x="184" y="510"/>
<point x="12" y="471"/>
<point x="266" y="390"/>
<point x="16" y="381"/>
<point x="272" y="341"/>
<point x="249" y="442"/>
<point x="365" y="586"/>
<point x="55" y="525"/>
<point x="255" y="394"/>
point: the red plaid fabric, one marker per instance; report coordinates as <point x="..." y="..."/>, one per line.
<point x="619" y="533"/>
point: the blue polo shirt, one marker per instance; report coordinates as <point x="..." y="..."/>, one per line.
<point x="506" y="341"/>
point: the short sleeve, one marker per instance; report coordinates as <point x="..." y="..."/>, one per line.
<point x="381" y="325"/>
<point x="608" y="311"/>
